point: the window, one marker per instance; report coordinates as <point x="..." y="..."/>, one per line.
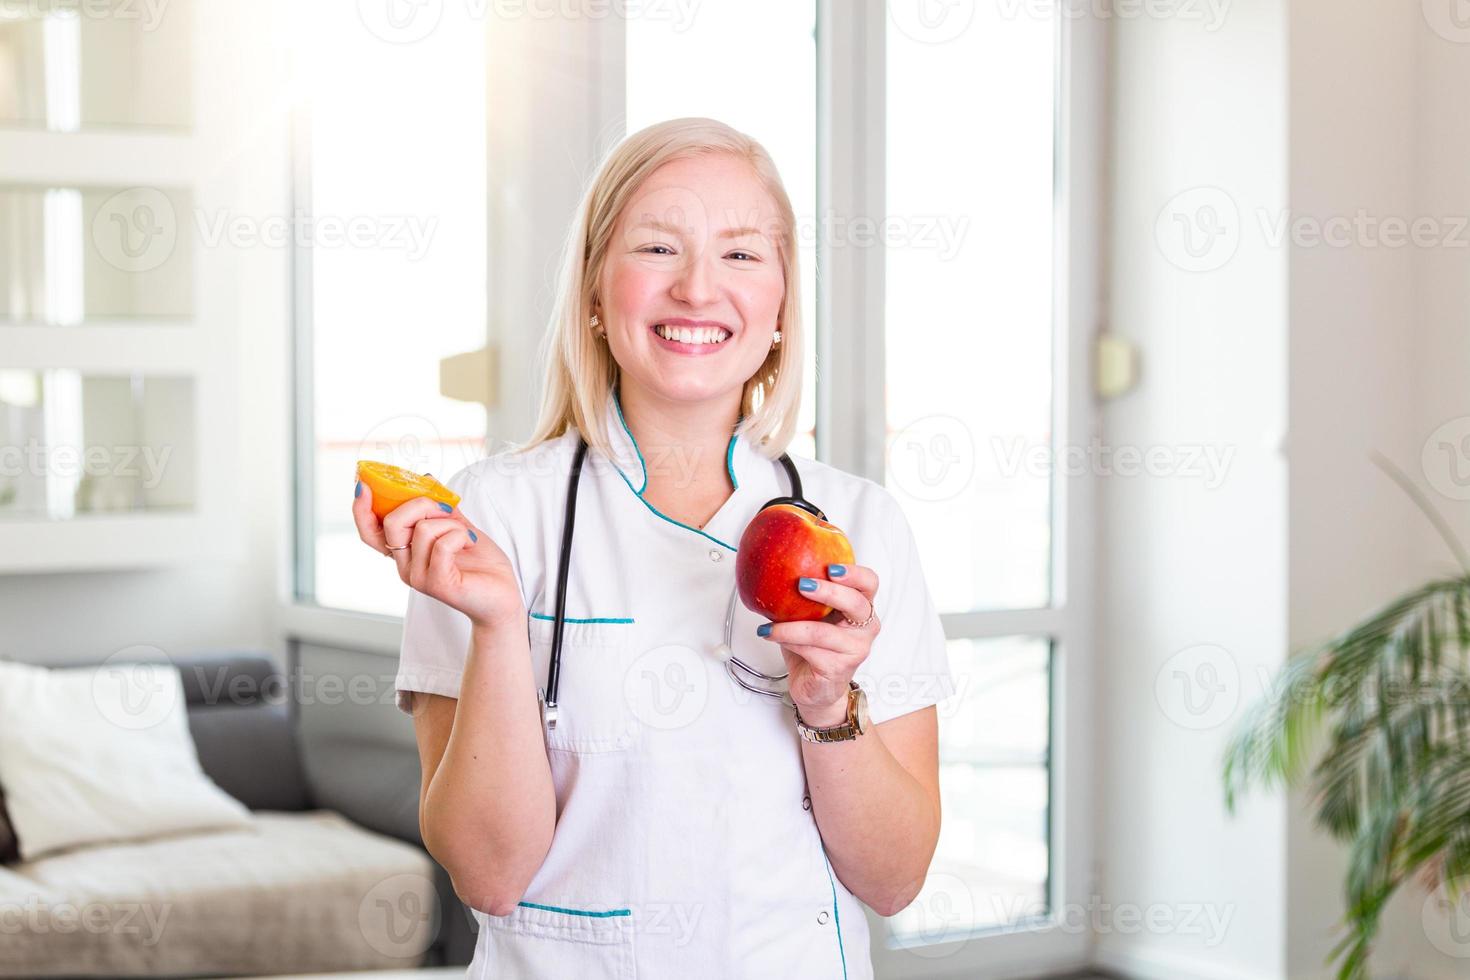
<point x="390" y="234"/>
<point x="703" y="67"/>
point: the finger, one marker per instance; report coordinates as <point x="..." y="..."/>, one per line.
<point x="844" y="598"/>
<point x="859" y="577"/>
<point x="369" y="528"/>
<point x="443" y="551"/>
<point x="816" y="633"/>
<point x="426" y="534"/>
<point x="398" y="525"/>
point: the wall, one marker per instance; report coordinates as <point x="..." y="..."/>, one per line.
<point x="1191" y="575"/>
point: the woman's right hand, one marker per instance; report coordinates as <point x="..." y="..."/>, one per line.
<point x="448" y="558"/>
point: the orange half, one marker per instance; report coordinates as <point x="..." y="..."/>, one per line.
<point x="392" y="485"/>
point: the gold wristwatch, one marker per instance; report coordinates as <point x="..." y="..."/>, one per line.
<point x="855" y="725"/>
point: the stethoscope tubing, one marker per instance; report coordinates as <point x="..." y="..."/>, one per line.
<point x="549" y="703"/>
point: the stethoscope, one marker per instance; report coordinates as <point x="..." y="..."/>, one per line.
<point x="753" y="680"/>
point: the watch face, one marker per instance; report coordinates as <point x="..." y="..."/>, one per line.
<point x="861" y="697"/>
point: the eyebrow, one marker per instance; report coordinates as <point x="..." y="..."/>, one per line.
<point x="741" y="232"/>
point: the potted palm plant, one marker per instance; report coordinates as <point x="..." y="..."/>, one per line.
<point x="1375" y="724"/>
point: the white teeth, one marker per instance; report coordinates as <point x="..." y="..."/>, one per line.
<point x="692" y="335"/>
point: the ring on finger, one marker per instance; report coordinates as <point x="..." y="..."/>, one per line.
<point x="871" y="613"/>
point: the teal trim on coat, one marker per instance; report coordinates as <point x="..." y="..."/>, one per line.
<point x="836" y="918"/>
<point x="592" y="619"/>
<point x="594" y="915"/>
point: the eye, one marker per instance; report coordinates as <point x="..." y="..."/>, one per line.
<point x="748" y="255"/>
<point x="649" y="249"/>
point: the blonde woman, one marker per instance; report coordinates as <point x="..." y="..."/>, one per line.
<point x="648" y="812"/>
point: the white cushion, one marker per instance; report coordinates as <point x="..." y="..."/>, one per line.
<point x="102" y="753"/>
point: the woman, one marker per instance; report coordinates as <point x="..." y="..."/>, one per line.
<point x="671" y="823"/>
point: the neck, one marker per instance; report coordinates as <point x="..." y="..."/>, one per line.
<point x="683" y="443"/>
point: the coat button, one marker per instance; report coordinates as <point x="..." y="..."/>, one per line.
<point x="822" y="917"/>
<point x="715" y="554"/>
<point x="806" y="802"/>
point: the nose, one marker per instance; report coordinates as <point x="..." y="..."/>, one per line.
<point x="695" y="284"/>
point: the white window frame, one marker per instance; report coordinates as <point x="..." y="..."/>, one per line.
<point x="851" y="422"/>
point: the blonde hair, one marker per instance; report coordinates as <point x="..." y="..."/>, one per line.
<point x="580" y="371"/>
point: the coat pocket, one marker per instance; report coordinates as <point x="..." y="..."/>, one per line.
<point x="540" y="940"/>
<point x="593" y="715"/>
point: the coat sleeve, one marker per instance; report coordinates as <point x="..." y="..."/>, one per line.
<point x="436" y="636"/>
<point x="908" y="666"/>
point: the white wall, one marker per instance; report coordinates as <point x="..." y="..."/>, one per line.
<point x="1356" y="110"/>
<point x="1192" y="577"/>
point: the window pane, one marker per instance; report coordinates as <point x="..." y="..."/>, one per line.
<point x="969" y="302"/>
<point x="398" y="270"/>
<point x="702" y="66"/>
<point x="992" y="864"/>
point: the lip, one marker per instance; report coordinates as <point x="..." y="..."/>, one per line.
<point x="695" y="350"/>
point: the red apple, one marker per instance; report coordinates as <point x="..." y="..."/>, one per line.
<point x="782" y="544"/>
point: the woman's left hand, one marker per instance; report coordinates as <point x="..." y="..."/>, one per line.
<point x="822" y="655"/>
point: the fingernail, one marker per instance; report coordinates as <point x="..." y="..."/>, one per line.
<point x="357" y="490"/>
<point x="446" y="508"/>
<point x="764" y="629"/>
<point x="473" y="536"/>
<point x="807" y="584"/>
<point x="835" y="571"/>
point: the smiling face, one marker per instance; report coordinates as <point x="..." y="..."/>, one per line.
<point x="691" y="288"/>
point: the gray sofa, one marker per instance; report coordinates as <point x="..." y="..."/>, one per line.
<point x="332" y="876"/>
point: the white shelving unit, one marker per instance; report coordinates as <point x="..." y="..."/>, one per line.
<point x="83" y="148"/>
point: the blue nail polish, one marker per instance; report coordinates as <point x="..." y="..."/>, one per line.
<point x="473" y="536"/>
<point x="807" y="584"/>
<point x="446" y="508"/>
<point x="836" y="571"/>
<point x="357" y="490"/>
<point x="764" y="629"/>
